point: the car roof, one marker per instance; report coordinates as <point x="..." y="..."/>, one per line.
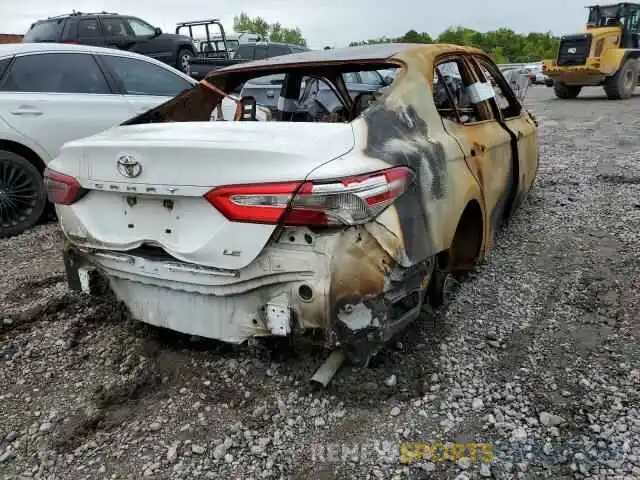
<point x="365" y="53"/>
<point x="36" y="47"/>
<point x="10" y="49"/>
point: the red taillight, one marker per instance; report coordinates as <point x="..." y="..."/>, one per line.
<point x="350" y="201"/>
<point x="62" y="189"/>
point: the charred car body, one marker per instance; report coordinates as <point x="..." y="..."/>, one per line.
<point x="335" y="226"/>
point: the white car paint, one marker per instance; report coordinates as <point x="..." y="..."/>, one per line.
<point x="43" y="122"/>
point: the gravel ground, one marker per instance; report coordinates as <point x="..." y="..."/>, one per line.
<point x="537" y="356"/>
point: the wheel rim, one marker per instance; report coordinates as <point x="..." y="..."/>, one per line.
<point x="184" y="62"/>
<point x="18" y="195"/>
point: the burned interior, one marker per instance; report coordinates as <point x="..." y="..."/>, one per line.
<point x="304" y="92"/>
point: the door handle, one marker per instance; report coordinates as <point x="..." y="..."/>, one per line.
<point x="24" y="110"/>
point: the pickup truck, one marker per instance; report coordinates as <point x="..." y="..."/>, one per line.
<point x="200" y="65"/>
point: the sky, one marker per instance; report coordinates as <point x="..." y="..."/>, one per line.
<point x="325" y="22"/>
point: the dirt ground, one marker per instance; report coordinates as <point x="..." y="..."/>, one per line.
<point x="536" y="360"/>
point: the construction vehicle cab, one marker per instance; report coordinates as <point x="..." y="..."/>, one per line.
<point x="606" y="54"/>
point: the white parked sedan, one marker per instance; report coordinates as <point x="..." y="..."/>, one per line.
<point x="53" y="93"/>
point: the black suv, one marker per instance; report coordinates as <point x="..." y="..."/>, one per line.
<point x="116" y="31"/>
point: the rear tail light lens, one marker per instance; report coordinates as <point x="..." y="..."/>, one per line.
<point x="62" y="189"/>
<point x="350" y="201"/>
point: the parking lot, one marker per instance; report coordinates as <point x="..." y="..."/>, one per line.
<point x="537" y="355"/>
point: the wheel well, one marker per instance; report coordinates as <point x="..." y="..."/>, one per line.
<point x="23" y="151"/>
<point x="186" y="47"/>
<point x="467" y="241"/>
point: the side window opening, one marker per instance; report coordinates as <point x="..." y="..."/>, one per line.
<point x="88" y="28"/>
<point x="139" y="77"/>
<point x="503" y="101"/>
<point x="56" y="73"/>
<point x="114" y="27"/>
<point x="450" y="93"/>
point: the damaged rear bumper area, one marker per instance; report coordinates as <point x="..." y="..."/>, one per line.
<point x="337" y="288"/>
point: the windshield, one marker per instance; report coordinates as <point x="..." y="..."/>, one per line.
<point x="603" y="16"/>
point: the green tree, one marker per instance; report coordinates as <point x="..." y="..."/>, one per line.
<point x="503" y="44"/>
<point x="273" y="31"/>
<point x="411" y="36"/>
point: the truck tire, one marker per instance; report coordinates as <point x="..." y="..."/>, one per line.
<point x="182" y="60"/>
<point x="623" y="83"/>
<point x="566" y="91"/>
<point x="22" y="195"/>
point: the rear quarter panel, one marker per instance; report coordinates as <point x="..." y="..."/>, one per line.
<point x="406" y="129"/>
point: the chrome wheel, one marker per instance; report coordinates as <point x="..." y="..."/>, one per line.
<point x="19" y="195"/>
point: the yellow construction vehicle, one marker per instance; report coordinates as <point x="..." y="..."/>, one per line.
<point x="606" y="54"/>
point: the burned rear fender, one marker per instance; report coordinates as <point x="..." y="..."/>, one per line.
<point x="372" y="296"/>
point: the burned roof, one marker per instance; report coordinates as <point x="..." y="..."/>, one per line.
<point x="365" y="53"/>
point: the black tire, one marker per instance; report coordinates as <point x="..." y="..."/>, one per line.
<point x="182" y="59"/>
<point x="439" y="287"/>
<point x="549" y="83"/>
<point x="566" y="91"/>
<point x="621" y="85"/>
<point x="22" y="194"/>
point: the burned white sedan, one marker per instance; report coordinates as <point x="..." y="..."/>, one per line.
<point x="335" y="223"/>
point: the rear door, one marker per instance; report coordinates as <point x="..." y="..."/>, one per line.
<point x="53" y="98"/>
<point x="144" y="84"/>
<point x="517" y="120"/>
<point x="484" y="142"/>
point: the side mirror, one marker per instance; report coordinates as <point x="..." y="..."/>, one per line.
<point x="157" y="32"/>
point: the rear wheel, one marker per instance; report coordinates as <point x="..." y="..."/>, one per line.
<point x="22" y="198"/>
<point x="623" y="83"/>
<point x="566" y="91"/>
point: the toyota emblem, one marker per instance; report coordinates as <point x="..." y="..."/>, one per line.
<point x="128" y="166"/>
<point x="572" y="50"/>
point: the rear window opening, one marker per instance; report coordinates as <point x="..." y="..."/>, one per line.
<point x="337" y="93"/>
<point x="44" y="31"/>
<point x="307" y="96"/>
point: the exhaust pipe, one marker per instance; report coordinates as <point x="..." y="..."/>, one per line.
<point x="329" y="368"/>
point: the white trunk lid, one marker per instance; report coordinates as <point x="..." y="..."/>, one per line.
<point x="181" y="162"/>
